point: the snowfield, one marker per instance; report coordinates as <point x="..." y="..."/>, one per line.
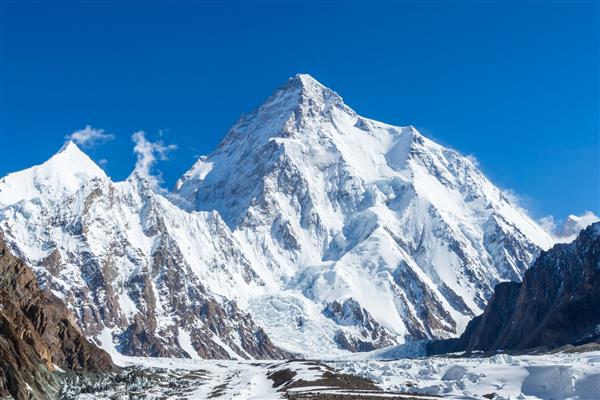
<point x="562" y="375"/>
<point x="552" y="376"/>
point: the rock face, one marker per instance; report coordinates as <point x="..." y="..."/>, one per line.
<point x="37" y="334"/>
<point x="557" y="303"/>
<point x="310" y="225"/>
<point x="369" y="333"/>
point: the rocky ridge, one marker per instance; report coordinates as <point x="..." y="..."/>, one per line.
<point x="556" y="304"/>
<point x="38" y="335"/>
<point x="337" y="206"/>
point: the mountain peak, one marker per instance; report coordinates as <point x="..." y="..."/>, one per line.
<point x="62" y="173"/>
<point x="70" y="158"/>
<point x="306" y="80"/>
<point x="304" y="90"/>
<point x="312" y="88"/>
<point x="69" y="147"/>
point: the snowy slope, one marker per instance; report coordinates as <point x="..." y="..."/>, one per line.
<point x="341" y="208"/>
<point x="62" y="174"/>
<point x="150" y="277"/>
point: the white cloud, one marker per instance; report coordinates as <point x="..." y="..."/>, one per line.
<point x="473" y="159"/>
<point x="513" y="197"/>
<point x="148" y="153"/>
<point x="567" y="230"/>
<point x="90" y="137"/>
<point x="522" y="203"/>
<point x="548" y="223"/>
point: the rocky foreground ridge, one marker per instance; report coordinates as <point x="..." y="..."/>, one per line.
<point x="37" y="335"/>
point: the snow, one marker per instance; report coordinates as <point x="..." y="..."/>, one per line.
<point x="569" y="376"/>
<point x="185" y="341"/>
<point x="550" y="376"/>
<point x="64" y="173"/>
<point x="119" y="228"/>
<point x="228" y="349"/>
<point x="331" y="205"/>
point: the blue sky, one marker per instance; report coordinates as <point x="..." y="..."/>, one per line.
<point x="516" y="85"/>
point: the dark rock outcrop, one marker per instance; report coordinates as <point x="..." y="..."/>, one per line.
<point x="558" y="303"/>
<point x="37" y="334"/>
<point x="368" y="334"/>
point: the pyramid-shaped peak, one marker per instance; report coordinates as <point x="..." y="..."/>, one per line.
<point x="305" y="91"/>
<point x="70" y="148"/>
<point x="306" y="80"/>
<point x="310" y="87"/>
<point x="72" y="158"/>
<point x="63" y="173"/>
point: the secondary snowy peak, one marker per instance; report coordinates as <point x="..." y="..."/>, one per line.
<point x="338" y="207"/>
<point x="64" y="173"/>
<point x="140" y="274"/>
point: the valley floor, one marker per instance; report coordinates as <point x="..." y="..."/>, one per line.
<point x="561" y="375"/>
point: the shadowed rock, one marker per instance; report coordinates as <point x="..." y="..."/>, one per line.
<point x="557" y="304"/>
<point x="37" y="334"/>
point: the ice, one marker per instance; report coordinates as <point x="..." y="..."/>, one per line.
<point x="573" y="376"/>
<point x="563" y="376"/>
<point x="548" y="382"/>
<point x="335" y="206"/>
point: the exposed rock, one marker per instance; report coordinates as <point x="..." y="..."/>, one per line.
<point x="558" y="303"/>
<point x="37" y="334"/>
<point x="366" y="335"/>
<point x="336" y="205"/>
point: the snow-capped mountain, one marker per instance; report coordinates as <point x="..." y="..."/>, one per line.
<point x="341" y="209"/>
<point x="139" y="273"/>
<point x="330" y="231"/>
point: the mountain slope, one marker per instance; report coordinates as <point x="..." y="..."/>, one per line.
<point x="557" y="303"/>
<point x="338" y="207"/>
<point x="37" y="335"/>
<point x="142" y="276"/>
<point x="62" y="174"/>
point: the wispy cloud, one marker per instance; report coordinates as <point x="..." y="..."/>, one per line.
<point x="473" y="159"/>
<point x="568" y="229"/>
<point x="148" y="153"/>
<point x="90" y="137"/>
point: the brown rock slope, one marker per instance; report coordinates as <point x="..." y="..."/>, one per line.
<point x="37" y="334"/>
<point x="558" y="303"/>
